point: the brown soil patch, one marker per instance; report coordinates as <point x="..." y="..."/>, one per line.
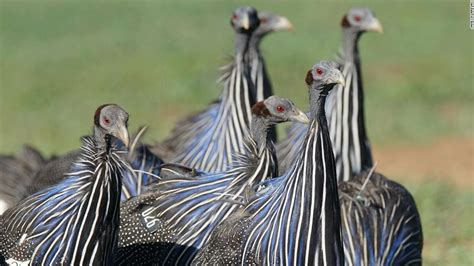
<point x="448" y="159"/>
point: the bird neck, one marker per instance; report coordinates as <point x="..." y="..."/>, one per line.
<point x="102" y="140"/>
<point x="346" y="115"/>
<point x="241" y="44"/>
<point x="321" y="185"/>
<point x="259" y="132"/>
<point x="254" y="44"/>
<point x="350" y="40"/>
<point x="259" y="74"/>
<point x="317" y="101"/>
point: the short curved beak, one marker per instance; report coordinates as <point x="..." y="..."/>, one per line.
<point x="375" y="26"/>
<point x="338" y="77"/>
<point x="246" y="22"/>
<point x="122" y="134"/>
<point x="283" y="23"/>
<point x="300" y="117"/>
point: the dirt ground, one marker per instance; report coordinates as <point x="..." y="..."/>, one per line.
<point x="448" y="159"/>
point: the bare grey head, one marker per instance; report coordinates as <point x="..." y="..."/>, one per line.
<point x="112" y="120"/>
<point x="361" y="20"/>
<point x="245" y="20"/>
<point x="275" y="110"/>
<point x="324" y="73"/>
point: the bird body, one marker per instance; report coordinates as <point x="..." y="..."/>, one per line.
<point x="380" y="221"/>
<point x="207" y="140"/>
<point x="76" y="221"/>
<point x="345" y="107"/>
<point x="295" y="220"/>
<point x="184" y="210"/>
<point x="144" y="169"/>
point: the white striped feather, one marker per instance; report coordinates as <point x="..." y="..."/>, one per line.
<point x="343" y="111"/>
<point x="208" y="140"/>
<point x="52" y="222"/>
<point x="380" y="223"/>
<point x="193" y="218"/>
<point x="284" y="222"/>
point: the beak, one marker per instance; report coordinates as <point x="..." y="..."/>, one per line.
<point x="338" y="78"/>
<point x="246" y="22"/>
<point x="375" y="26"/>
<point x="283" y="24"/>
<point x="122" y="134"/>
<point x="300" y="117"/>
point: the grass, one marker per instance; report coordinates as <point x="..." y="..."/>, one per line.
<point x="446" y="214"/>
<point x="60" y="60"/>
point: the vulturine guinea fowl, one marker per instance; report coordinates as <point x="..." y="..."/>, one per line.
<point x="183" y="211"/>
<point x="75" y="222"/>
<point x="207" y="140"/>
<point x="380" y="220"/>
<point x="295" y="220"/>
<point x="345" y="106"/>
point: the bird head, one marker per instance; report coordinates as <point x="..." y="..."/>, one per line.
<point x="111" y="120"/>
<point x="323" y="74"/>
<point x="278" y="110"/>
<point x="362" y="20"/>
<point x="245" y="20"/>
<point x="270" y="22"/>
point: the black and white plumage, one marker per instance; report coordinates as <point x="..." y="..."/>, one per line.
<point x="207" y="140"/>
<point x="76" y="221"/>
<point x="145" y="169"/>
<point x="380" y="221"/>
<point x="183" y="210"/>
<point x="345" y="106"/>
<point x="295" y="219"/>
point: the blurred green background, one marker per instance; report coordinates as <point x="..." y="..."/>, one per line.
<point x="60" y="60"/>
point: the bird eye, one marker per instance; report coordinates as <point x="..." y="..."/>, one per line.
<point x="319" y="71"/>
<point x="234" y="17"/>
<point x="263" y="20"/>
<point x="280" y="109"/>
<point x="106" y="121"/>
<point x="357" y="18"/>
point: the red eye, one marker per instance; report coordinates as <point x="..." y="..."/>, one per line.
<point x="357" y="18"/>
<point x="263" y="20"/>
<point x="234" y="17"/>
<point x="280" y="109"/>
<point x="106" y="121"/>
<point x="319" y="71"/>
